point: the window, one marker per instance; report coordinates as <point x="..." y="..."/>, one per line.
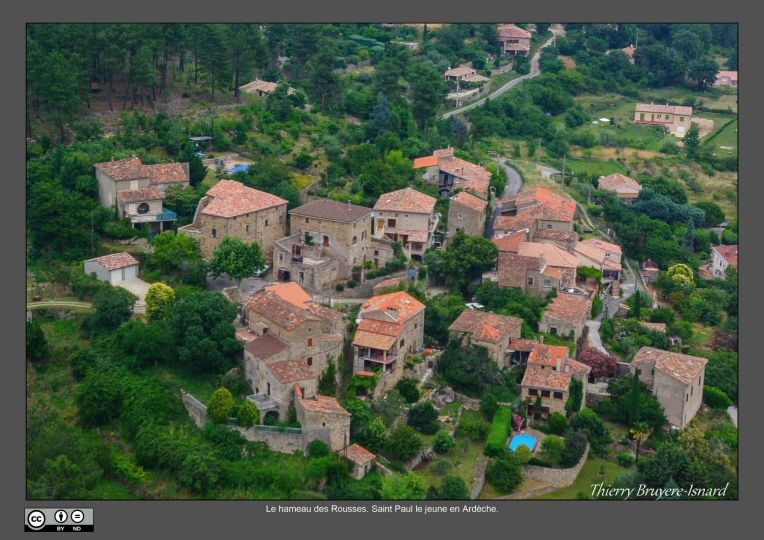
<point x="558" y="395"/>
<point x="281" y="219"/>
<point x="545" y="393"/>
<point x="323" y="424"/>
<point x="533" y="392"/>
<point x="269" y="389"/>
<point x="281" y="257"/>
<point x="681" y="118"/>
<point x="641" y="116"/>
<point x="391" y="223"/>
<point x="639" y="371"/>
<point x="143" y="208"/>
<point x="652" y="371"/>
<point x="667" y="117"/>
<point x="415" y="325"/>
<point x="310" y="342"/>
<point x="461" y="216"/>
<point x="214" y="233"/>
<point x="246" y="227"/>
<point x="310" y="360"/>
<point x="355" y="240"/>
<point x="530" y="281"/>
<point x="133" y="185"/>
<point x="376" y="252"/>
<point x="547" y="282"/>
<point x="266" y="222"/>
<point x="307" y="220"/>
<point x="691" y="389"/>
<point x="401" y="343"/>
<point x="302" y="277"/>
<point x="553" y="330"/>
<point x="687" y="397"/>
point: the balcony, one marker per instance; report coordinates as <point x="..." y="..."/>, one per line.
<point x="165" y="215"/>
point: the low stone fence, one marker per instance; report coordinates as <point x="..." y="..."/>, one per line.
<point x="622" y="368"/>
<point x="557" y="478"/>
<point x="427" y="453"/>
<point x="478" y="475"/>
<point x="196" y="409"/>
<point x="277" y="440"/>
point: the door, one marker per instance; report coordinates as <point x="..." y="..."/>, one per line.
<point x="326" y="241"/>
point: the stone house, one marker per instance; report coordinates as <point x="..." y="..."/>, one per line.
<point x="259" y="88"/>
<point x="289" y="326"/>
<point x="466" y="213"/>
<point x="465" y="76"/>
<point x="492" y="331"/>
<point x="314" y="267"/>
<point x="514" y="40"/>
<point x="726" y="78"/>
<point x="390" y="329"/>
<point x="566" y="315"/>
<point x="676" y="380"/>
<point x="278" y="379"/>
<point x="323" y="418"/>
<point x="548" y="375"/>
<point x="625" y="188"/>
<point x="113" y="268"/>
<point x="232" y="209"/>
<point x="722" y="257"/>
<point x="536" y="268"/>
<point x="360" y="459"/>
<point x="534" y="211"/>
<point x="450" y="173"/>
<point x="136" y="190"/>
<point x="676" y="119"/>
<point x="408" y="217"/>
<point x="381" y="251"/>
<point x="604" y="256"/>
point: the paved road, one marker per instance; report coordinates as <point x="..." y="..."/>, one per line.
<point x="732" y="411"/>
<point x="55" y="304"/>
<point x="556" y="29"/>
<point x="514" y="183"/>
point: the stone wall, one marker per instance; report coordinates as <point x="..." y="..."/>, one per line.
<point x="196" y="409"/>
<point x="286" y="442"/>
<point x="555" y="477"/>
<point x="478" y="476"/>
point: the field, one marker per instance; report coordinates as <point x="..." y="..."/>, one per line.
<point x="590" y="474"/>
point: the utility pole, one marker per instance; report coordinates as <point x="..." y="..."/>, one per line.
<point x="563" y="167"/>
<point x="92" y="230"/>
<point x="538" y="153"/>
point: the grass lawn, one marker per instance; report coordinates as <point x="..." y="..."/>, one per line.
<point x="110" y="490"/>
<point x="450" y="409"/>
<point x="590" y="474"/>
<point x="500" y="80"/>
<point x="461" y="459"/>
<point x="200" y="386"/>
<point x="701" y="337"/>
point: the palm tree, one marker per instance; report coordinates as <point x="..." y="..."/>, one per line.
<point x="640" y="432"/>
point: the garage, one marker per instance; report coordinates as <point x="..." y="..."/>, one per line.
<point x="113" y="268"/>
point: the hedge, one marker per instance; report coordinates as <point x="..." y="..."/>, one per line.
<point x="496" y="444"/>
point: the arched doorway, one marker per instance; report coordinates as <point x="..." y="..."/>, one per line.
<point x="271" y="418"/>
<point x="283" y="274"/>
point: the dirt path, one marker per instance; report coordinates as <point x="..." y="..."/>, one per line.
<point x="57" y="304"/>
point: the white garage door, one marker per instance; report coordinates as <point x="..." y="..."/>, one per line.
<point x="130" y="272"/>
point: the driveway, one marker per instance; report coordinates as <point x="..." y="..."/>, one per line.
<point x="732" y="411"/>
<point x="514" y="183"/>
<point x="139" y="288"/>
<point x="248" y="285"/>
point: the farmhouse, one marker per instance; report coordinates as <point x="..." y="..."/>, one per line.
<point x="676" y="380"/>
<point x="113" y="268"/>
<point x="260" y="88"/>
<point x="722" y="257"/>
<point x="674" y="118"/>
<point x="548" y="375"/>
<point x="466" y="213"/>
<point x="232" y="209"/>
<point x="536" y="268"/>
<point x="406" y="216"/>
<point x="726" y="78"/>
<point x="391" y="327"/>
<point x="494" y="332"/>
<point x="514" y="40"/>
<point x="451" y="172"/>
<point x="625" y="188"/>
<point x="566" y="316"/>
<point x="136" y="190"/>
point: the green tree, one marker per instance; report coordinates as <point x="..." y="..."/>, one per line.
<point x="317" y="449"/>
<point x="575" y="397"/>
<point x="236" y="258"/>
<point x="37" y="345"/>
<point x="714" y="214"/>
<point x="409" y="486"/>
<point x="575" y="446"/>
<point x="327" y="382"/>
<point x="247" y="415"/>
<point x="408" y="390"/>
<point x="503" y="474"/>
<point x="640" y="432"/>
<point x="424" y="417"/>
<point x="98" y="398"/>
<point x="453" y="488"/>
<point x="463" y="261"/>
<point x="440" y="312"/>
<point x="204" y="333"/>
<point x="702" y="72"/>
<point x="159" y="299"/>
<point x="427" y="92"/>
<point x="634" y="399"/>
<point x="111" y="307"/>
<point x="692" y="141"/>
<point x="172" y="250"/>
<point x="636" y="305"/>
<point x="552" y="448"/>
<point x="442" y="442"/>
<point x="557" y="423"/>
<point x="403" y="443"/>
<point x="221" y="406"/>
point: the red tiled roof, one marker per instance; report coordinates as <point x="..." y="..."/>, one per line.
<point x="486" y="326"/>
<point x="167" y="173"/>
<point x="406" y="200"/>
<point x="664" y="109"/>
<point x="509" y="242"/>
<point x="405" y="305"/>
<point x="577" y="369"/>
<point x="728" y="253"/>
<point x="629" y="51"/>
<point x="139" y="195"/>
<point x="115" y="261"/>
<point x="266" y="346"/>
<point x="331" y="210"/>
<point x="555" y="234"/>
<point x="548" y="355"/>
<point x="470" y="201"/>
<point x="290" y="292"/>
<point x="601" y="244"/>
<point x="569" y="307"/>
<point x="358" y="454"/>
<point x="512" y="268"/>
<point x="288" y="305"/>
<point x="525" y="345"/>
<point x="459" y="71"/>
<point x="323" y="404"/>
<point x="556" y="207"/>
<point x="546" y="379"/>
<point x="373" y="340"/>
<point x="386" y="328"/>
<point x="618" y="182"/>
<point x="731" y="75"/>
<point x="123" y="169"/>
<point x="682" y="367"/>
<point x="230" y="198"/>
<point x="287" y="371"/>
<point x="426" y="161"/>
<point x="655" y="326"/>
<point x="264" y="86"/>
<point x="512" y="31"/>
<point x="413" y="236"/>
<point x="551" y="254"/>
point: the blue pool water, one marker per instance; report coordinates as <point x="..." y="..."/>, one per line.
<point x="526" y="440"/>
<point x="242" y="167"/>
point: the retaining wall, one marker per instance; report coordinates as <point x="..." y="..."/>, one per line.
<point x="557" y="478"/>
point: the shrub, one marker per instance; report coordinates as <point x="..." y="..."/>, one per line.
<point x="557" y="423"/>
<point x="442" y="442"/>
<point x="522" y="454"/>
<point x="716" y="398"/>
<point x="247" y="415"/>
<point x="317" y="449"/>
<point x="503" y="474"/>
<point x="351" y="284"/>
<point x="221" y="406"/>
<point x="424" y="417"/>
<point x="625" y="459"/>
<point x="575" y="446"/>
<point x="453" y="488"/>
<point x="496" y="444"/>
<point x="489" y="405"/>
<point x="552" y="448"/>
<point x="403" y="443"/>
<point x="472" y="428"/>
<point x="441" y="467"/>
<point x="339" y="287"/>
<point x="408" y="390"/>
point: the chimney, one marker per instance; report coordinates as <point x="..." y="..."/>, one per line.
<point x="392" y="313"/>
<point x="349" y="205"/>
<point x="558" y="364"/>
<point x="541" y="339"/>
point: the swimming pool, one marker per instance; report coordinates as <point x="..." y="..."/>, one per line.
<point x="241" y="167"/>
<point x="529" y="441"/>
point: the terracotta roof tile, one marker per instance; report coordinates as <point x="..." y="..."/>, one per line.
<point x="266" y="346"/>
<point x="682" y="367"/>
<point x="459" y="71"/>
<point x="373" y="340"/>
<point x="167" y="173"/>
<point x="387" y="328"/>
<point x="287" y="371"/>
<point x="488" y="327"/>
<point x="264" y="86"/>
<point x="401" y="302"/>
<point x="619" y="183"/>
<point x="569" y="307"/>
<point x="513" y="31"/>
<point x="554" y="234"/>
<point x="229" y="198"/>
<point x="123" y="169"/>
<point x="323" y="404"/>
<point x="426" y="161"/>
<point x="509" y="242"/>
<point x="548" y="355"/>
<point x="406" y="200"/>
<point x="545" y="204"/>
<point x="665" y="109"/>
<point x="512" y="268"/>
<point x="139" y="195"/>
<point x="546" y="379"/>
<point x="551" y="254"/>
<point x="115" y="261"/>
<point x="470" y="201"/>
<point x="601" y="244"/>
<point x="731" y="75"/>
<point x="331" y="210"/>
<point x="728" y="253"/>
<point x="290" y="292"/>
<point x="358" y="454"/>
<point x="525" y="345"/>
